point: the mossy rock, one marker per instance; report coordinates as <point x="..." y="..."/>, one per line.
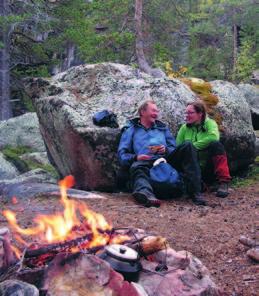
<point x="46" y="167"/>
<point x="13" y="155"/>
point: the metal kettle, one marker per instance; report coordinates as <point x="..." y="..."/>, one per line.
<point x="124" y="260"/>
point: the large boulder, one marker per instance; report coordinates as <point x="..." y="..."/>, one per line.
<point x="7" y="170"/>
<point x="251" y="94"/>
<point x="238" y="134"/>
<point x="66" y="104"/>
<point x="22" y="131"/>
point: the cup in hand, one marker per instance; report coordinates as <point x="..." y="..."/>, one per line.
<point x="154" y="148"/>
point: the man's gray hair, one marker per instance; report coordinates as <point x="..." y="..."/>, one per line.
<point x="143" y="105"/>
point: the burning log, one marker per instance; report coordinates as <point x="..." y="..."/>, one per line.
<point x="59" y="247"/>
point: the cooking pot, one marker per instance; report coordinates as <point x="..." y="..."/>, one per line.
<point x="124" y="260"/>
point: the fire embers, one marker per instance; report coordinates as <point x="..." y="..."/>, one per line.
<point x="74" y="229"/>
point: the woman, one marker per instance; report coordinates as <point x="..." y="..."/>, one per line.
<point x="204" y="134"/>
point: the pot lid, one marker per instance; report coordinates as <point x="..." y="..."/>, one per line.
<point x="122" y="252"/>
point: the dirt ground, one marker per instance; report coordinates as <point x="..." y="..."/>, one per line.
<point x="211" y="233"/>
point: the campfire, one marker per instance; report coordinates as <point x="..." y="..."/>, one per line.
<point x="77" y="252"/>
<point x="75" y="229"/>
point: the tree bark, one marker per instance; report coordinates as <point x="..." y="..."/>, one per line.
<point x="143" y="64"/>
<point x="5" y="105"/>
<point x="235" y="46"/>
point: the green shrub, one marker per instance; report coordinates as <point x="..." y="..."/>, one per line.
<point x="251" y="177"/>
<point x="12" y="154"/>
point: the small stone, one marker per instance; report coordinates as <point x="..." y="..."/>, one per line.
<point x="14" y="287"/>
<point x="247" y="241"/>
<point x="248" y="277"/>
<point x="253" y="254"/>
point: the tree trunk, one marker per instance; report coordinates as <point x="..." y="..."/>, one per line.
<point x="143" y="64"/>
<point x="70" y="56"/>
<point x="5" y="105"/>
<point x="235" y="47"/>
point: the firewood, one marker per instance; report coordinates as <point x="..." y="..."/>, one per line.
<point x="58" y="247"/>
<point x="152" y="244"/>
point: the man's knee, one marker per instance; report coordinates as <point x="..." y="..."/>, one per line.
<point x="139" y="166"/>
<point x="216" y="148"/>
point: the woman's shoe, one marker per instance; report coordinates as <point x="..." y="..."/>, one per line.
<point x="222" y="191"/>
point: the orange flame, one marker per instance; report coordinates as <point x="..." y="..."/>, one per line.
<point x="14" y="200"/>
<point x="65" y="225"/>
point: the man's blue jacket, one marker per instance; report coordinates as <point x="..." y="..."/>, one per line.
<point x="136" y="139"/>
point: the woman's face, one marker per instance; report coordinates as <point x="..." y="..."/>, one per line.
<point x="191" y="116"/>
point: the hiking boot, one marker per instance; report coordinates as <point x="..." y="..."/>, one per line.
<point x="214" y="187"/>
<point x="147" y="201"/>
<point x="198" y="199"/>
<point x="222" y="191"/>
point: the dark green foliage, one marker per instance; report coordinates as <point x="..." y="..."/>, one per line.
<point x="212" y="39"/>
<point x="246" y="62"/>
<point x="97" y="28"/>
<point x="197" y="34"/>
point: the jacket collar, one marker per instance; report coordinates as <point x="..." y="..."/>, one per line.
<point x="158" y="124"/>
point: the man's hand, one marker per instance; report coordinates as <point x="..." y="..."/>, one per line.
<point x="143" y="157"/>
<point x="161" y="149"/>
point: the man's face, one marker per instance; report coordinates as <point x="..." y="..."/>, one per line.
<point x="150" y="114"/>
<point x="191" y="116"/>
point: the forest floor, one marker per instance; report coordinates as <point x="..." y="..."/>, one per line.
<point x="211" y="233"/>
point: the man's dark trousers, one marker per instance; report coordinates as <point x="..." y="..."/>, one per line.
<point x="183" y="159"/>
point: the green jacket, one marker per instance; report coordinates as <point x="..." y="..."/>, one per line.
<point x="200" y="136"/>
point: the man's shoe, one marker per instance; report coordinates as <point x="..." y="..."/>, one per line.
<point x="222" y="190"/>
<point x="147" y="201"/>
<point x="198" y="199"/>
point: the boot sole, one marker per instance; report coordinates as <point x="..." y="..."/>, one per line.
<point x="145" y="201"/>
<point x="222" y="194"/>
<point x="199" y="203"/>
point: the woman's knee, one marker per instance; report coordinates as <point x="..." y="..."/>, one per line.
<point x="187" y="145"/>
<point x="216" y="148"/>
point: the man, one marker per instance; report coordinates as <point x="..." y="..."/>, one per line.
<point x="147" y="139"/>
<point x="203" y="132"/>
